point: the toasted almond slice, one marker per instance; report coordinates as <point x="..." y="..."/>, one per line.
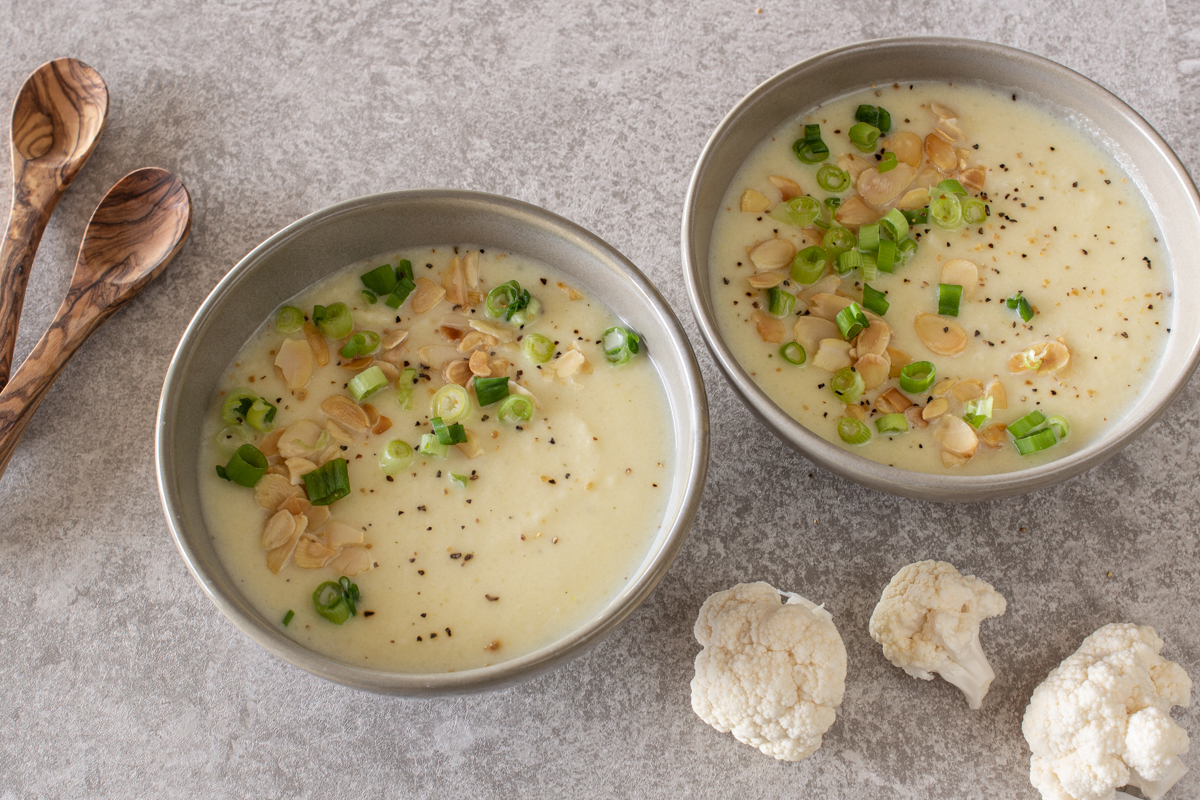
<point x="957" y="436"/>
<point x="437" y="355"/>
<point x="943" y="386"/>
<point x="893" y="401"/>
<point x="568" y="363"/>
<point x="899" y="360"/>
<point x="995" y="390"/>
<point x="373" y="415"/>
<point x="973" y="178"/>
<point x="754" y="202"/>
<point x="765" y="280"/>
<point x="772" y="254"/>
<point x="295" y="360"/>
<point x="298" y="468"/>
<point x="940" y="335"/>
<point x="458" y="371"/>
<point x="353" y="560"/>
<point x="874" y="370"/>
<point x="969" y="389"/>
<point x="853" y="212"/>
<point x="880" y="188"/>
<point x="271" y="490"/>
<point x="316" y="341"/>
<point x="501" y="333"/>
<point x="827" y="306"/>
<point x="811" y="330"/>
<point x="338" y="434"/>
<point x="951" y="460"/>
<point x="346" y="412"/>
<point x="915" y="420"/>
<point x="1044" y="358"/>
<point x="770" y="329"/>
<point x="471" y="447"/>
<point x="358" y="364"/>
<point x="914" y="199"/>
<point x="943" y="111"/>
<point x="853" y="164"/>
<point x="390" y="371"/>
<point x="788" y="187"/>
<point x="394" y="357"/>
<point x="450" y="333"/>
<point x="517" y="388"/>
<point x="936" y="408"/>
<point x="269" y="444"/>
<point x="302" y="439"/>
<point x="476" y="339"/>
<point x="277" y="469"/>
<point x="328" y="454"/>
<point x="296" y="504"/>
<point x="471" y="269"/>
<point x="499" y="366"/>
<point x="948" y="131"/>
<point x="874" y="339"/>
<point x="278" y="530"/>
<point x="826" y="285"/>
<point x="927" y="178"/>
<point x="339" y="535"/>
<point x="993" y="435"/>
<point x="382" y="426"/>
<point x="961" y="272"/>
<point x="907" y="147"/>
<point x="479" y="364"/>
<point x="312" y="554"/>
<point x="278" y="557"/>
<point x="393" y="337"/>
<point x="454" y="281"/>
<point x="858" y="412"/>
<point x="427" y="295"/>
<point x="317" y="516"/>
<point x="832" y="355"/>
<point x="941" y="153"/>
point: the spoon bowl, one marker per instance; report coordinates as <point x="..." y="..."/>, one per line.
<point x="137" y="229"/>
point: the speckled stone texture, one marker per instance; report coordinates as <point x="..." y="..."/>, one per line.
<point x="119" y="679"/>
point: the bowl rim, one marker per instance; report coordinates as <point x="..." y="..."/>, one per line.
<point x="505" y="673"/>
<point x="894" y="480"/>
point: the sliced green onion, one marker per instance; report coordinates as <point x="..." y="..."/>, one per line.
<point x="811" y="149"/>
<point x="516" y="407"/>
<point x="799" y="211"/>
<point x="506" y="299"/>
<point x="833" y="178"/>
<point x="395" y="457"/>
<point x="527" y="314"/>
<point x="917" y="377"/>
<point x="381" y="280"/>
<point x="287" y="618"/>
<point x="847" y="384"/>
<point x="868" y="237"/>
<point x="833" y="203"/>
<point x="261" y="415"/>
<point x="863" y="136"/>
<point x="874" y="300"/>
<point x="461" y="480"/>
<point x="885" y="258"/>
<point x="369" y="297"/>
<point x="328" y="483"/>
<point x="892" y="423"/>
<point x="780" y="303"/>
<point x="448" y="434"/>
<point x="837" y="240"/>
<point x="404" y="388"/>
<point x="946" y="211"/>
<point x="852" y="431"/>
<point x="1033" y="442"/>
<point x="888" y="162"/>
<point x="977" y="411"/>
<point x="916" y="216"/>
<point x="895" y="224"/>
<point x="537" y="348"/>
<point x="953" y="186"/>
<point x="230" y="438"/>
<point x="885" y="120"/>
<point x="851" y="320"/>
<point x="619" y="344"/>
<point x="332" y="603"/>
<point x="246" y="466"/>
<point x="336" y="320"/>
<point x="870" y="268"/>
<point x="849" y="261"/>
<point x="1030" y="361"/>
<point x="430" y="446"/>
<point x="874" y="115"/>
<point x="404" y="287"/>
<point x="1021" y="305"/>
<point x="1025" y="424"/>
<point x="808" y="265"/>
<point x="404" y="270"/>
<point x="974" y="211"/>
<point x="367" y="383"/>
<point x="949" y="297"/>
<point x="491" y="390"/>
<point x="360" y="344"/>
<point x="1062" y="428"/>
<point x="236" y="406"/>
<point x="905" y="250"/>
<point x="452" y="403"/>
<point x="290" y="320"/>
<point x="793" y="353"/>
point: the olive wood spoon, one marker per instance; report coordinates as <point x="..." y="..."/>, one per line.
<point x="136" y="230"/>
<point x="57" y="120"/>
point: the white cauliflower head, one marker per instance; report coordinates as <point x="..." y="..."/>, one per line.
<point x="928" y="621"/>
<point x="773" y="674"/>
<point x="1102" y="719"/>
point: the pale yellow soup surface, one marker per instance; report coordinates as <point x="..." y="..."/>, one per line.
<point x="559" y="516"/>
<point x="1068" y="228"/>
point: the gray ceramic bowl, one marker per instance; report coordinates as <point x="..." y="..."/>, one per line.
<point x="1118" y="128"/>
<point x="310" y="249"/>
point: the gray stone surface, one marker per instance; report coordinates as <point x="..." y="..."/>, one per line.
<point x="117" y="677"/>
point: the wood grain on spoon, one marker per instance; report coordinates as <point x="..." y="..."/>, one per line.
<point x="136" y="230"/>
<point x="57" y="119"/>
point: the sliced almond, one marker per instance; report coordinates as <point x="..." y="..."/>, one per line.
<point x="372" y="414"/>
<point x="936" y="408"/>
<point x="788" y="187"/>
<point x="853" y="164"/>
<point x="892" y="401"/>
<point x="948" y="131"/>
<point x="957" y="436"/>
<point x="471" y="447"/>
<point x="339" y="535"/>
<point x="995" y="390"/>
<point x="915" y="420"/>
<point x="770" y="329"/>
<point x="454" y="281"/>
<point x="772" y="254"/>
<point x="961" y="272"/>
<point x="316" y="342"/>
<point x="278" y="530"/>
<point x="951" y="460"/>
<point x="993" y="435"/>
<point x="940" y="153"/>
<point x="278" y="557"/>
<point x="358" y="364"/>
<point x="479" y="364"/>
<point x="874" y="339"/>
<point x="311" y="554"/>
<point x="754" y="202"/>
<point x="907" y="147"/>
<point x="396" y="357"/>
<point x="338" y="434"/>
<point x="826" y="285"/>
<point x="302" y="439"/>
<point x="382" y="426"/>
<point x="346" y="412"/>
<point x="827" y="306"/>
<point x="914" y="199"/>
<point x="501" y="333"/>
<point x="853" y="212"/>
<point x="436" y="355"/>
<point x="517" y="388"/>
<point x="943" y="386"/>
<point x="390" y="371"/>
<point x="880" y="188"/>
<point x="927" y="178"/>
<point x="1044" y="358"/>
<point x="968" y="389"/>
<point x="272" y="490"/>
<point x="475" y="339"/>
<point x="765" y="280"/>
<point x="940" y="335"/>
<point x="295" y="360"/>
<point x="457" y="371"/>
<point x="856" y="411"/>
<point x="499" y="366"/>
<point x="298" y="468"/>
<point x="899" y="360"/>
<point x="569" y="363"/>
<point x="353" y="560"/>
<point x="317" y="516"/>
<point x="943" y="111"/>
<point x="973" y="178"/>
<point x="269" y="444"/>
<point x="427" y="295"/>
<point x="450" y="333"/>
<point x="832" y="355"/>
<point x="811" y="330"/>
<point x="471" y="269"/>
<point x="874" y="370"/>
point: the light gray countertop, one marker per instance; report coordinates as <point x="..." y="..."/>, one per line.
<point x="119" y="679"/>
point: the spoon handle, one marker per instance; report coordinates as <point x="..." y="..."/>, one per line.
<point x="31" y="210"/>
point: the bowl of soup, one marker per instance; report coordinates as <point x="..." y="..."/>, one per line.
<point x="431" y="442"/>
<point x="943" y="268"/>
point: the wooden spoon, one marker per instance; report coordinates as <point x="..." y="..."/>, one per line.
<point x="136" y="230"/>
<point x="57" y="120"/>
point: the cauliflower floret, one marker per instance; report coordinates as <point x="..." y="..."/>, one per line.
<point x="1102" y="719"/>
<point x="928" y="621"/>
<point x="771" y="673"/>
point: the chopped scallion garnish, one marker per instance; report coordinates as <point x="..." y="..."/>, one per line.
<point x="527" y="314"/>
<point x="870" y="268"/>
<point x="1020" y="305"/>
<point x="461" y="480"/>
<point x="800" y="211"/>
<point x="810" y="148"/>
<point x="335" y="600"/>
<point x="868" y="237"/>
<point x="874" y="115"/>
<point x="404" y="287"/>
<point x="367" y="382"/>
<point x="335" y="321"/>
<point x="1062" y="428"/>
<point x="916" y="216"/>
<point x="837" y="240"/>
<point x="290" y="320"/>
<point x="895" y="223"/>
<point x="381" y="280"/>
<point x="1033" y="442"/>
<point x="448" y="434"/>
<point x="328" y="483"/>
<point x="793" y="353"/>
<point x="945" y="210"/>
<point x="864" y="136"/>
<point x="404" y="270"/>
<point x="360" y="344"/>
<point x="905" y="251"/>
<point x="974" y="211"/>
<point x="847" y="384"/>
<point x="849" y="261"/>
<point x="808" y="265"/>
<point x="404" y="388"/>
<point x="369" y="297"/>
<point x="506" y="299"/>
<point x="515" y="407"/>
<point x="452" y="403"/>
<point x="874" y="300"/>
<point x="953" y="186"/>
<point x="917" y="377"/>
<point x="491" y="390"/>
<point x="977" y="411"/>
<point x="780" y="303"/>
<point x="395" y="456"/>
<point x="851" y="320"/>
<point x="230" y="438"/>
<point x="237" y="405"/>
<point x="287" y="618"/>
<point x="853" y="431"/>
<point x="892" y="423"/>
<point x="888" y="162"/>
<point x="430" y="446"/>
<point x="537" y="348"/>
<point x="1025" y="424"/>
<point x="949" y="297"/>
<point x="885" y="257"/>
<point x="833" y="178"/>
<point x="619" y="344"/>
<point x="261" y="415"/>
<point x="246" y="466"/>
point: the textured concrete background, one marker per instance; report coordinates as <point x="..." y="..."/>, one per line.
<point x="117" y="677"/>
